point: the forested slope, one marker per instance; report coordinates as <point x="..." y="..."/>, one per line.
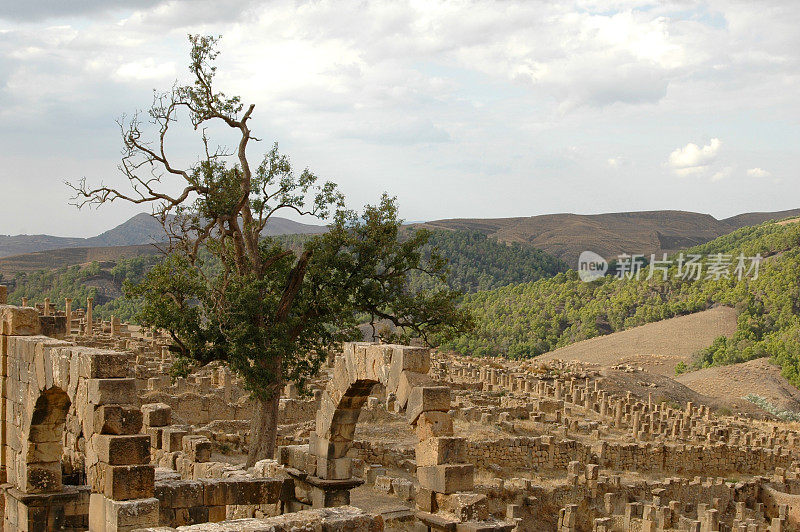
<point x="529" y="319"/>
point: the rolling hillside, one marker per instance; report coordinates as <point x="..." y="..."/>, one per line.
<point x="566" y="235"/>
<point x="657" y="347"/>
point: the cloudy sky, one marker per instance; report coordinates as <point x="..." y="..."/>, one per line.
<point x="461" y="109"/>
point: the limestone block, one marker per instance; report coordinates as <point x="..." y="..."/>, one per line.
<point x="378" y="362"/>
<point x="172" y="439"/>
<point x="103" y="364"/>
<point x="130" y="515"/>
<point x="156" y="414"/>
<point x="444" y="450"/>
<point x="448" y="478"/>
<point x="112" y="391"/>
<point x="434" y="424"/>
<point x="426" y="500"/>
<point x="465" y="506"/>
<point x="254" y="491"/>
<point x="117" y="419"/>
<point x="122" y="450"/>
<point x="155" y="434"/>
<point x="427" y="399"/>
<point x="180" y="493"/>
<point x="408" y="381"/>
<point x="298" y="457"/>
<point x="319" y="446"/>
<point x="129" y="482"/>
<point x="197" y="448"/>
<point x="334" y="468"/>
<point x="19" y="321"/>
<point x="407" y="358"/>
<point x="383" y="484"/>
<point x="403" y="489"/>
<point x="42" y="477"/>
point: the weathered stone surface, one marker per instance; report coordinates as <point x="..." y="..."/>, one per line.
<point x="112" y="391"/>
<point x="427" y="399"/>
<point x="19" y="321"/>
<point x="117" y="419"/>
<point x="122" y="450"/>
<point x="156" y="414"/>
<point x="434" y="424"/>
<point x="443" y="450"/>
<point x="448" y="478"/>
<point x="129" y="482"/>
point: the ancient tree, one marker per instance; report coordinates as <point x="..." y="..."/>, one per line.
<point x="272" y="309"/>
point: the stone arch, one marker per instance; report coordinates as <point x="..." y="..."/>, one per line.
<point x="403" y="370"/>
<point x="361" y="366"/>
<point x="43" y="449"/>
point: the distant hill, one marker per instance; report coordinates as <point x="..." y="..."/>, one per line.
<point x="561" y="235"/>
<point x="59" y="258"/>
<point x="567" y="235"/>
<point x="139" y="230"/>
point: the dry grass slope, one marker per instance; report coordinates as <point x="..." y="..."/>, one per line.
<point x="656" y="347"/>
<point x="755" y="376"/>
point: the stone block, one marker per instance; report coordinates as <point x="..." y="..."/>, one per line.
<point x="42" y="477"/>
<point x="408" y="381"/>
<point x="156" y="415"/>
<point x="448" y="478"/>
<point x="117" y="419"/>
<point x="104" y="364"/>
<point x="122" y="450"/>
<point x="427" y="399"/>
<point x="112" y="391"/>
<point x="180" y="493"/>
<point x="172" y="439"/>
<point x="334" y="468"/>
<point x="131" y="514"/>
<point x="19" y="321"/>
<point x="155" y="434"/>
<point x="426" y="500"/>
<point x="197" y="448"/>
<point x="129" y="482"/>
<point x="254" y="491"/>
<point x="465" y="506"/>
<point x="434" y="424"/>
<point x="444" y="450"/>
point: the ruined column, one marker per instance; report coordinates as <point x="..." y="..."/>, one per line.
<point x="3" y="294"/>
<point x="89" y="303"/>
<point x="114" y="326"/>
<point x="68" y="314"/>
<point x="24" y="301"/>
<point x="47" y="306"/>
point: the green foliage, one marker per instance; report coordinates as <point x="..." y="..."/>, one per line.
<point x="103" y="283"/>
<point x="761" y="402"/>
<point x="358" y="268"/>
<point x="529" y="319"/>
<point x="477" y="262"/>
<point x="681" y="368"/>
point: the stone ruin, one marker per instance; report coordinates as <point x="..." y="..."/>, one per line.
<point x="96" y="436"/>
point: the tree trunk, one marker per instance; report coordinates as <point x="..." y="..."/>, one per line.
<point x="264" y="428"/>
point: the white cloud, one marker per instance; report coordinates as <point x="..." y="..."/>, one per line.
<point x="618" y="161"/>
<point x="724" y="173"/>
<point x="406" y="95"/>
<point x="758" y="172"/>
<point x="693" y="159"/>
<point x="145" y="70"/>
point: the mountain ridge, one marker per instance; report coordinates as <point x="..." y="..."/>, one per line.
<point x="563" y="235"/>
<point x="141" y="229"/>
<point x="566" y="235"/>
